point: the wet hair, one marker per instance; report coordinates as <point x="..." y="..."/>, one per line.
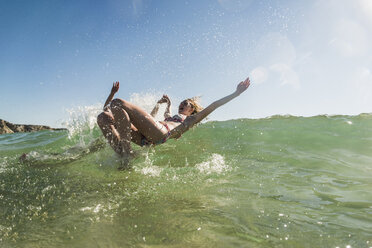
<point x="194" y="101"/>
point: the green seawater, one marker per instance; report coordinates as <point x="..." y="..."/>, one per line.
<point x="281" y="181"/>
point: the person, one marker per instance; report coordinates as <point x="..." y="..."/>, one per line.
<point x="122" y="122"/>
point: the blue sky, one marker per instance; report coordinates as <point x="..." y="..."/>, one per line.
<point x="303" y="57"/>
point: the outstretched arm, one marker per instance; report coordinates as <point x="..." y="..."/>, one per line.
<point x="114" y="89"/>
<point x="194" y="119"/>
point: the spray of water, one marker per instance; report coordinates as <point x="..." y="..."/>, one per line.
<point x="82" y="120"/>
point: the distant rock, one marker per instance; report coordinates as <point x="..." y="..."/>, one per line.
<point x="7" y="127"/>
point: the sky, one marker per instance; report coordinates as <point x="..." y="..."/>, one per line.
<point x="304" y="58"/>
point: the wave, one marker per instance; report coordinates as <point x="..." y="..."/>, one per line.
<point x="84" y="136"/>
<point x="249" y="181"/>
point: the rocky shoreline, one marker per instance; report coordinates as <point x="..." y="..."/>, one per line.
<point x="7" y="127"/>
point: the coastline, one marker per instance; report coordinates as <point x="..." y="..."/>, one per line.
<point x="8" y="128"/>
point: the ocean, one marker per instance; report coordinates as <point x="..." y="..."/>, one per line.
<point x="281" y="181"/>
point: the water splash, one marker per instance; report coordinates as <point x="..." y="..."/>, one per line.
<point x="152" y="171"/>
<point x="82" y="120"/>
<point x="149" y="168"/>
<point x="145" y="100"/>
<point x="215" y="164"/>
<point x="148" y="100"/>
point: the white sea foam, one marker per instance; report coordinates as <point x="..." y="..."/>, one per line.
<point x="85" y="209"/>
<point x="97" y="208"/>
<point x="215" y="164"/>
<point x="48" y="188"/>
<point x="149" y="169"/>
<point x="94" y="209"/>
<point x="99" y="211"/>
<point x="152" y="171"/>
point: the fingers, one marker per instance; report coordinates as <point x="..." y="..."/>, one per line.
<point x="166" y="98"/>
<point x="246" y="82"/>
<point x="115" y="87"/>
<point x="242" y="86"/>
